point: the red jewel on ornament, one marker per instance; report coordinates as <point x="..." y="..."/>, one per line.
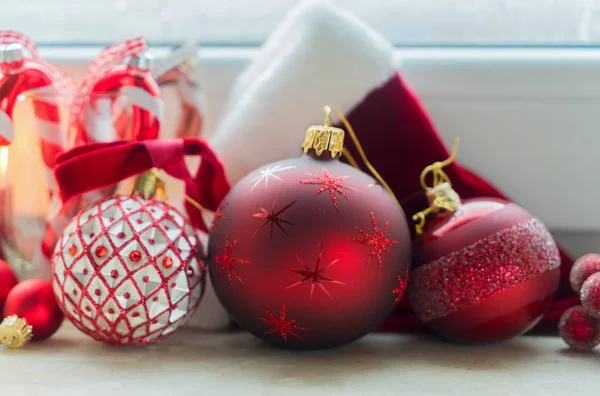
<point x="114" y="274"/>
<point x="100" y="251"/>
<point x="579" y="329"/>
<point x="135" y="256"/>
<point x="582" y="269"/>
<point x="72" y="250"/>
<point x="151" y="241"/>
<point x="127" y="296"/>
<point x="590" y="295"/>
<point x="292" y="271"/>
<point x="145" y="279"/>
<point x="167" y="262"/>
<point x="121" y="235"/>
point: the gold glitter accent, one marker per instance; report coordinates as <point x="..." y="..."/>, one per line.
<point x="476" y="272"/>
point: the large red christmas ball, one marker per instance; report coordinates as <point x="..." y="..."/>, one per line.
<point x="34" y="301"/>
<point x="8" y="280"/>
<point x="309" y="253"/>
<point x="486" y="273"/>
<point x="126" y="270"/>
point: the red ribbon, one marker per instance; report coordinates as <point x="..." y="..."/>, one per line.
<point x="99" y="165"/>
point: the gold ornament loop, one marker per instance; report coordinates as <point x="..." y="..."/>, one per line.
<point x="15" y="332"/>
<point x="441" y="196"/>
<point x="436" y="169"/>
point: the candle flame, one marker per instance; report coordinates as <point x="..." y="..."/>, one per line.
<point x="3" y="160"/>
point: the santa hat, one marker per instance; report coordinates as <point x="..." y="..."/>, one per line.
<point x="323" y="55"/>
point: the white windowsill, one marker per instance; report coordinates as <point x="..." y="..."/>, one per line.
<point x="528" y="118"/>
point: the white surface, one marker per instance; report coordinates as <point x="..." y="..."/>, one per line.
<point x="236" y="363"/>
<point x="463" y="22"/>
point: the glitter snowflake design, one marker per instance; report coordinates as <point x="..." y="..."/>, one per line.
<point x="227" y="262"/>
<point x="378" y="242"/>
<point x="274" y="217"/>
<point x="219" y="215"/>
<point x="282" y="325"/>
<point x="402" y="283"/>
<point x="328" y="183"/>
<point x="268" y="173"/>
<point x="315" y="277"/>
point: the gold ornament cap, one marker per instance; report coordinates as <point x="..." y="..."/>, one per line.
<point x="321" y="138"/>
<point x="15" y="332"/>
<point x="149" y="184"/>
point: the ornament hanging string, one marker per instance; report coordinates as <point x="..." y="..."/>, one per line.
<point x="328" y="110"/>
<point x="441" y="196"/>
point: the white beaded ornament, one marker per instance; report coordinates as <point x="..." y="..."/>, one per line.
<point x="126" y="270"/>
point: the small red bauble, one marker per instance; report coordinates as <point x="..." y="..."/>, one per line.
<point x="582" y="269"/>
<point x="590" y="295"/>
<point x="579" y="329"/>
<point x="126" y="270"/>
<point x="8" y="280"/>
<point x="34" y="301"/>
<point x="485" y="273"/>
<point x="309" y="253"/>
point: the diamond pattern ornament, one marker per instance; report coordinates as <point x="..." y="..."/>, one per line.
<point x="126" y="271"/>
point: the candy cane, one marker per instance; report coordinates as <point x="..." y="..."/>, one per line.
<point x="178" y="69"/>
<point x="107" y="75"/>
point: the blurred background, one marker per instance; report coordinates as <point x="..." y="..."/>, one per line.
<point x="248" y="22"/>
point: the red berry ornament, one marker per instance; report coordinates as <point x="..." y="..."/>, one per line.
<point x="34" y="301"/>
<point x="126" y="270"/>
<point x="582" y="269"/>
<point x="309" y="252"/>
<point x="590" y="295"/>
<point x="8" y="280"/>
<point x="485" y="270"/>
<point x="579" y="329"/>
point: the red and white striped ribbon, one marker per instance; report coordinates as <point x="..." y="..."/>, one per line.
<point x="110" y="57"/>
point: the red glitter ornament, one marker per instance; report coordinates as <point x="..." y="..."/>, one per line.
<point x="309" y="252"/>
<point x="485" y="270"/>
<point x="34" y="301"/>
<point x="582" y="269"/>
<point x="590" y="295"/>
<point x="579" y="329"/>
<point x="129" y="291"/>
<point x="8" y="280"/>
